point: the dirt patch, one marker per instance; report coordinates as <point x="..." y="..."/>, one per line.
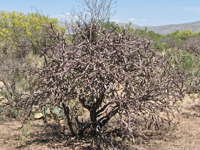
<point x="186" y="135"/>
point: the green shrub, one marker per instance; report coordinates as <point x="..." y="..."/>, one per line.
<point x="188" y="62"/>
<point x="158" y="46"/>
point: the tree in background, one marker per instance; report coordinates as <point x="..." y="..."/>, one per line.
<point x="19" y="35"/>
<point x="93" y="11"/>
<point x="89" y="12"/>
<point x="185" y="34"/>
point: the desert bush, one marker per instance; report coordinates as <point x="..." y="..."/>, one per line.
<point x="114" y="77"/>
<point x="187" y="58"/>
<point x="185" y="34"/>
<point x="107" y="24"/>
<point x="172" y="39"/>
<point x="187" y="62"/>
<point x="191" y="45"/>
<point x="140" y="33"/>
<point x="170" y="42"/>
<point x="158" y="46"/>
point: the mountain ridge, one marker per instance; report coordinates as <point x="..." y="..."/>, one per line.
<point x="167" y="29"/>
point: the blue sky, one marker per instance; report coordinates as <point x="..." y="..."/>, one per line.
<point x="140" y="12"/>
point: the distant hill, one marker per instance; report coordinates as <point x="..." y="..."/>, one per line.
<point x="164" y="29"/>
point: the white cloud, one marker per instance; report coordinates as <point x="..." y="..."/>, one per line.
<point x="67" y="14"/>
<point x="144" y="20"/>
<point x="132" y="19"/>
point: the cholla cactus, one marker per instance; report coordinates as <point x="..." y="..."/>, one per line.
<point x="113" y="74"/>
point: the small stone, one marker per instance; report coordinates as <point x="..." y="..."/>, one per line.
<point x="67" y="148"/>
<point x="5" y="102"/>
<point x="78" y="148"/>
<point x="38" y="115"/>
<point x="118" y="139"/>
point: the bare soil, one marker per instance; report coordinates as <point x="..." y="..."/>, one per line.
<point x="35" y="135"/>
